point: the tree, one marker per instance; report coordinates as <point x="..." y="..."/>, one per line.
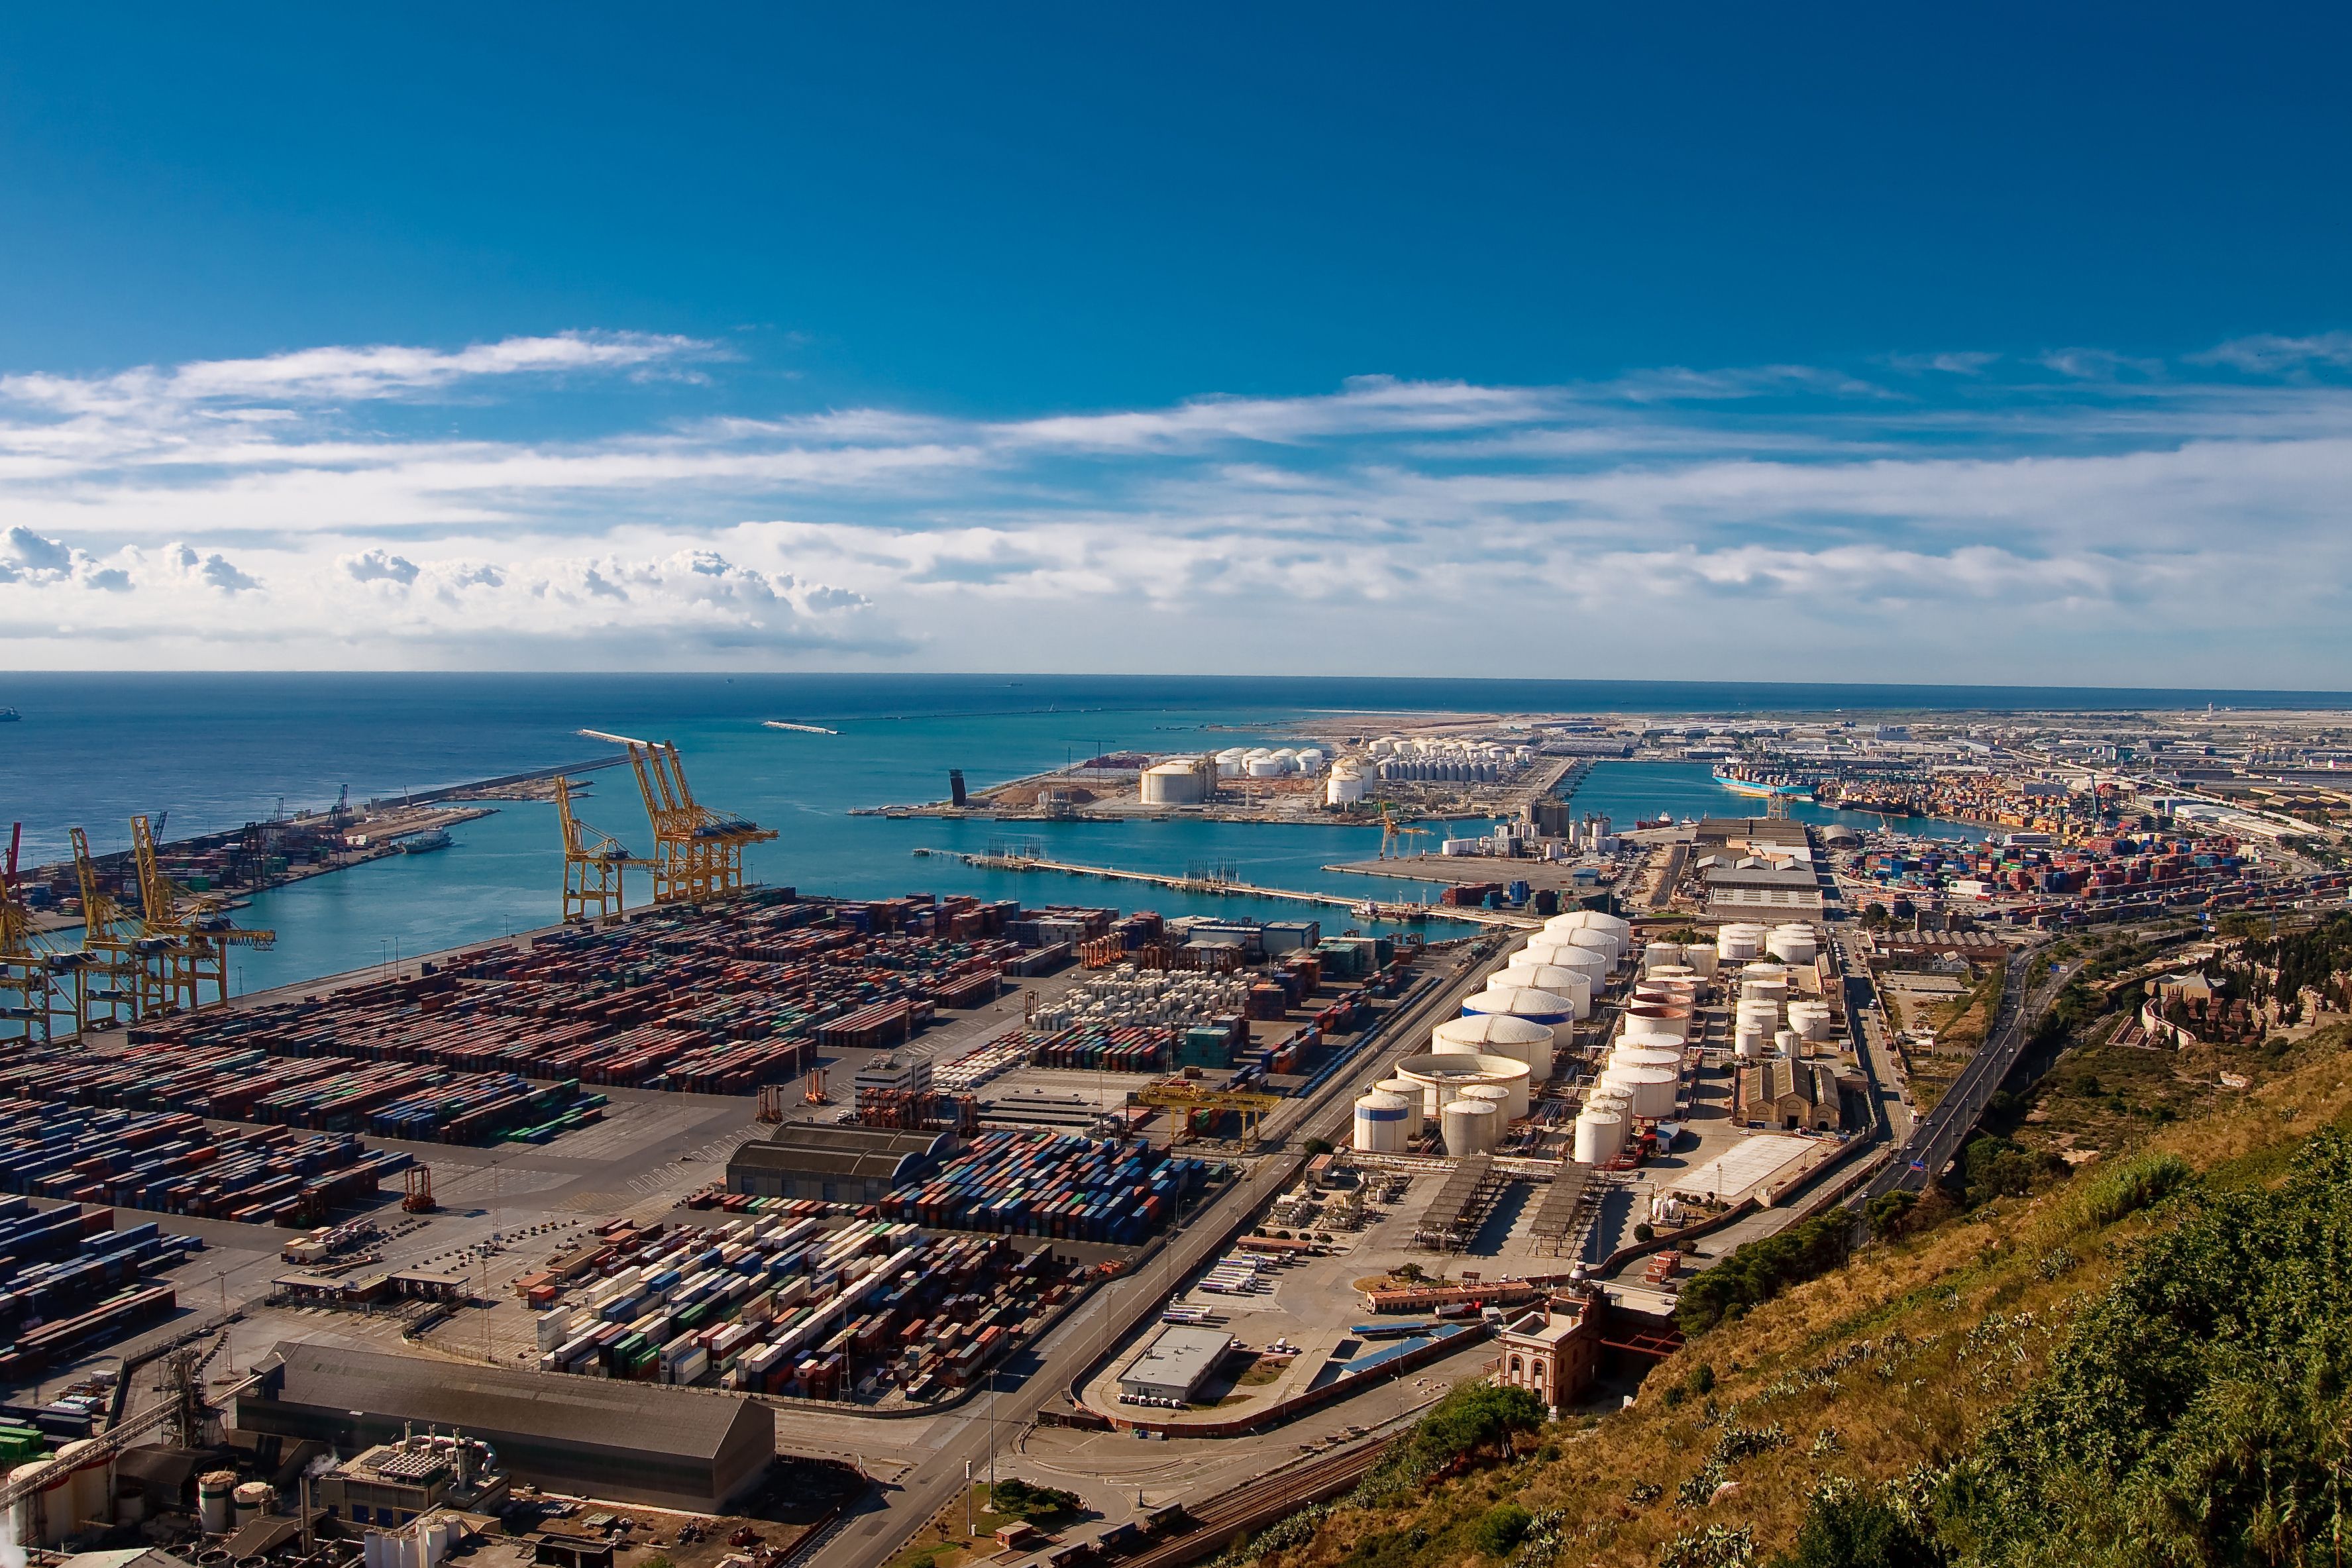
<point x="1503" y="1527"/>
<point x="1475" y="1419"/>
<point x="1315" y="1146"/>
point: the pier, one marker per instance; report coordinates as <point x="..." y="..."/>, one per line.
<point x="1503" y="919"/>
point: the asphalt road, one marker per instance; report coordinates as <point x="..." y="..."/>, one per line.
<point x="1938" y="1137"/>
<point x="931" y="1474"/>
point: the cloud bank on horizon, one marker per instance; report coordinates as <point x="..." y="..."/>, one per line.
<point x="2083" y="517"/>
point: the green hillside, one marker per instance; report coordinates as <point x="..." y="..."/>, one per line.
<point x="2125" y="1338"/>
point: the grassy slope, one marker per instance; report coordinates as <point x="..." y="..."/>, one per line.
<point x="1893" y="1362"/>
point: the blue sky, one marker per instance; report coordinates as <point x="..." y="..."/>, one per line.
<point x="1710" y="341"/>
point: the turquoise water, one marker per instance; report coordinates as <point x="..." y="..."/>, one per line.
<point x="1632" y="790"/>
<point x="216" y="751"/>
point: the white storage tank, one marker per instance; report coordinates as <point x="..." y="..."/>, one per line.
<point x="1792" y="1043"/>
<point x="1444" y="1075"/>
<point x="251" y="1500"/>
<point x="1500" y="1034"/>
<point x="1599" y="1136"/>
<point x="1309" y="759"/>
<point x="1344" y="787"/>
<point x="1792" y="944"/>
<point x="1676" y="1021"/>
<point x="1381" y="1123"/>
<point x="1653" y="1089"/>
<point x="1495" y="1094"/>
<point x="1810" y="1018"/>
<point x="1411" y="1094"/>
<point x="1634" y="1054"/>
<point x="1738" y="943"/>
<point x="214" y="1507"/>
<point x="1470" y="1127"/>
<point x="1560" y="979"/>
<point x="1546" y="1007"/>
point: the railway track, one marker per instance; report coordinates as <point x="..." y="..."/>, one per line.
<point x="1230" y="1515"/>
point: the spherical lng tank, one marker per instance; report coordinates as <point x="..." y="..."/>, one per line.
<point x="1410" y="1093"/>
<point x="1792" y="944"/>
<point x="1380" y="1124"/>
<point x="1444" y="1075"/>
<point x="1500" y="1034"/>
<point x="1470" y="1127"/>
<point x="1600" y="1134"/>
<point x="1653" y="1089"/>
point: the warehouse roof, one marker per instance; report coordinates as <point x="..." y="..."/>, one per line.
<point x="816" y="1148"/>
<point x="1179" y="1358"/>
<point x="487" y="1400"/>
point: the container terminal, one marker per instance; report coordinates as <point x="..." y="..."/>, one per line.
<point x="677" y="1228"/>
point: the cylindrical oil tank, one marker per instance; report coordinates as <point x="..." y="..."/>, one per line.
<point x="93" y="1480"/>
<point x="1659" y="955"/>
<point x="1495" y="1094"/>
<point x="1411" y="1094"/>
<point x="1738" y="943"/>
<point x="1381" y="1123"/>
<point x="251" y="1500"/>
<point x="1810" y="1020"/>
<point x="214" y="1507"/>
<point x="1652" y="1088"/>
<point x="1602" y="941"/>
<point x="1443" y="1074"/>
<point x="1632" y="1055"/>
<point x="1560" y="979"/>
<point x="1673" y="1020"/>
<point x="1500" y="1034"/>
<point x="1792" y="944"/>
<point x="1599" y="1135"/>
<point x="1549" y="1009"/>
<point x="1748" y="1041"/>
<point x="1469" y="1127"/>
<point x="1591" y="920"/>
<point x="43" y="1513"/>
<point x="1792" y="1043"/>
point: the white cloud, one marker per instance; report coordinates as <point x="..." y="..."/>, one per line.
<point x="2268" y="355"/>
<point x="1961" y="519"/>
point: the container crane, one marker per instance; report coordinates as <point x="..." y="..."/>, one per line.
<point x="697" y="851"/>
<point x="29" y="967"/>
<point x="1393" y="837"/>
<point x="192" y="932"/>
<point x="114" y="985"/>
<point x="594" y="864"/>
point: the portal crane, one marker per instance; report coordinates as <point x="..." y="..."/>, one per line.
<point x="1393" y="837"/>
<point x="192" y="934"/>
<point x="29" y="971"/>
<point x="116" y="957"/>
<point x="697" y="851"/>
<point x="1195" y="1102"/>
<point x="594" y="864"/>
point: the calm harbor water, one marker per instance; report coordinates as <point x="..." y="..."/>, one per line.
<point x="215" y="751"/>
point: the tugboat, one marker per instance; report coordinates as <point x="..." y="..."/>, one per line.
<point x="425" y="844"/>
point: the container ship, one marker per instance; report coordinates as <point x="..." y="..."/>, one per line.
<point x="425" y="844"/>
<point x="1739" y="785"/>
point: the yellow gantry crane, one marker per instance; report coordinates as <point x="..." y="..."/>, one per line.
<point x="188" y="935"/>
<point x="114" y="988"/>
<point x="1194" y="1101"/>
<point x="1393" y="837"/>
<point x="593" y="863"/>
<point x="30" y="995"/>
<point x="697" y="851"/>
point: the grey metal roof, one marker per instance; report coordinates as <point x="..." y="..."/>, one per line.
<point x="489" y="1400"/>
<point x="834" y="1137"/>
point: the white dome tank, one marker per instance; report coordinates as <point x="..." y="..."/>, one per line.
<point x="1380" y="1124"/>
<point x="1792" y="944"/>
<point x="1738" y="943"/>
<point x="1555" y="1012"/>
<point x="1495" y="1094"/>
<point x="1810" y="1020"/>
<point x="1652" y="1088"/>
<point x="1500" y="1034"/>
<point x="1469" y="1127"/>
<point x="1410" y="1093"/>
<point x="1645" y="1056"/>
<point x="1560" y="979"/>
<point x="1444" y="1075"/>
<point x="1599" y="1135"/>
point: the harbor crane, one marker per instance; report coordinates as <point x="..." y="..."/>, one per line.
<point x="1200" y="1105"/>
<point x="594" y="864"/>
<point x="190" y="934"/>
<point x="113" y="986"/>
<point x="1393" y="837"/>
<point x="697" y="851"/>
<point x="29" y="967"/>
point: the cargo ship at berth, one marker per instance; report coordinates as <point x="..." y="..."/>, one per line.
<point x="425" y="844"/>
<point x="1741" y="785"/>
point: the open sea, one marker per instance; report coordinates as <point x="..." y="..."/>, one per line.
<point x="215" y="751"/>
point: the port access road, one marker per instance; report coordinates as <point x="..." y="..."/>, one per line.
<point x="1938" y="1137"/>
<point x="920" y="1475"/>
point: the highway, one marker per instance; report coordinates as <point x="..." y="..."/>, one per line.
<point x="1938" y="1137"/>
<point x="929" y="1459"/>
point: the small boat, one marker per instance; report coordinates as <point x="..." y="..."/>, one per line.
<point x="425" y="844"/>
<point x="9" y="716"/>
<point x="802" y="729"/>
